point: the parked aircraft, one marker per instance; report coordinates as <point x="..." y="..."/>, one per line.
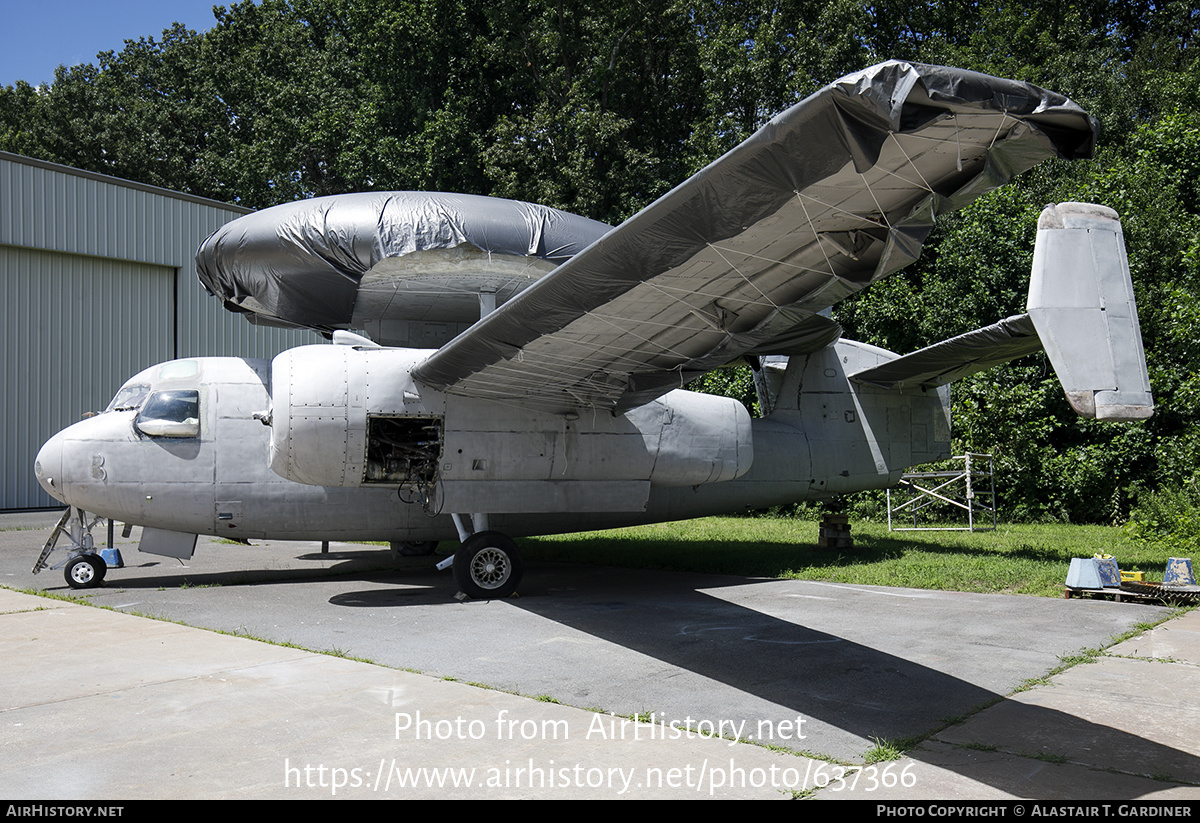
<point x="518" y="370"/>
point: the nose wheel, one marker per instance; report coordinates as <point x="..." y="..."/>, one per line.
<point x="488" y="566"/>
<point x="84" y="571"/>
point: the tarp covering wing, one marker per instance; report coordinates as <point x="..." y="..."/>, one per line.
<point x="957" y="357"/>
<point x="825" y="199"/>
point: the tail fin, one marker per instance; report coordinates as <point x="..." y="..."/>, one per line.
<point x="1080" y="310"/>
<point x="1081" y="302"/>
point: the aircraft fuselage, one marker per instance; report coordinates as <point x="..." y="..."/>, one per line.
<point x="336" y="442"/>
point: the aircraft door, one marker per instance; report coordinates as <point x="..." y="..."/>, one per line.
<point x="172" y="465"/>
<point x="242" y="476"/>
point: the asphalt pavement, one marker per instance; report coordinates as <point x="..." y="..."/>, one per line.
<point x="281" y="671"/>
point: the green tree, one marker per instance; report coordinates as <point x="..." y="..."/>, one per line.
<point x="598" y="109"/>
<point x="603" y="97"/>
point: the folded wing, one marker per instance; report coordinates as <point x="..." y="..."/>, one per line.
<point x="828" y="197"/>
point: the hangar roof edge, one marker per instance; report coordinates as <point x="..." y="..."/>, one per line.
<point x="120" y="181"/>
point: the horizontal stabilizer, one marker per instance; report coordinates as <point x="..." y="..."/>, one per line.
<point x="957" y="357"/>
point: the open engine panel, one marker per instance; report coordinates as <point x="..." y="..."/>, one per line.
<point x="403" y="450"/>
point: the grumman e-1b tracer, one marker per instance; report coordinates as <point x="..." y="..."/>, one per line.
<point x="518" y="370"/>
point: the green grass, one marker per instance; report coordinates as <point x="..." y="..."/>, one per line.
<point x="885" y="750"/>
<point x="1014" y="559"/>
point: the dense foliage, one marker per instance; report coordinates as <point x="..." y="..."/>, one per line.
<point x="599" y="108"/>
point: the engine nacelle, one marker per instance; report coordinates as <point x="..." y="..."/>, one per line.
<point x="345" y="416"/>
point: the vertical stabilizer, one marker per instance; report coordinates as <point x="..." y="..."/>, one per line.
<point x="1082" y="305"/>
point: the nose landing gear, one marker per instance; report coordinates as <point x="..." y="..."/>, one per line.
<point x="84" y="568"/>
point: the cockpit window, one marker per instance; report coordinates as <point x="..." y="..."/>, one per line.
<point x="129" y="397"/>
<point x="173" y="413"/>
<point x="178" y="369"/>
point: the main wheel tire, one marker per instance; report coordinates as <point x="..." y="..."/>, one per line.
<point x="417" y="548"/>
<point x="83" y="572"/>
<point x="488" y="566"/>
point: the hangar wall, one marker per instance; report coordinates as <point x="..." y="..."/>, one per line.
<point x="97" y="282"/>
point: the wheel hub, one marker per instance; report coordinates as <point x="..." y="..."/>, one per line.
<point x="490" y="568"/>
<point x="83" y="573"/>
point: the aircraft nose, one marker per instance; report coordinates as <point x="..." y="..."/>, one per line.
<point x="48" y="467"/>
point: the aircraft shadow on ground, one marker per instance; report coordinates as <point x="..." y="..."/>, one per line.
<point x="853" y="687"/>
<point x="351" y="565"/>
<point x="856" y="688"/>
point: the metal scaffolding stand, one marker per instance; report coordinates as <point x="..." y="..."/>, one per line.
<point x="971" y="489"/>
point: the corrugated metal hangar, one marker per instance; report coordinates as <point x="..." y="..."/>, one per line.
<point x="97" y="282"/>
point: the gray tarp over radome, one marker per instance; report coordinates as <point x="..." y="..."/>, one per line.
<point x="302" y="263"/>
<point x="828" y="197"/>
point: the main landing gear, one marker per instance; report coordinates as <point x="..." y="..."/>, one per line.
<point x="488" y="565"/>
<point x="414" y="548"/>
